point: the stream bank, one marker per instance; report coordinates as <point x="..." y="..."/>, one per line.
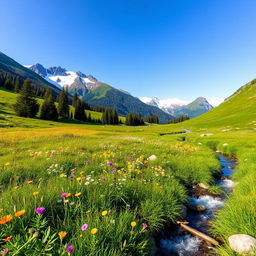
<point x="175" y="241"/>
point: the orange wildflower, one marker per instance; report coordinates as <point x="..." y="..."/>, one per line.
<point x="62" y="234"/>
<point x="20" y="213"/>
<point x="8" y="238"/>
<point x="5" y="219"/>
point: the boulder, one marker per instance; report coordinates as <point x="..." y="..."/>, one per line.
<point x="202" y="185"/>
<point x="197" y="207"/>
<point x="152" y="158"/>
<point x="242" y="243"/>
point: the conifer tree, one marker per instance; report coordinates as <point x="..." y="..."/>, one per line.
<point x="26" y="105"/>
<point x="75" y="98"/>
<point x="80" y="111"/>
<point x="17" y="84"/>
<point x="8" y="84"/>
<point x="48" y="109"/>
<point x="63" y="107"/>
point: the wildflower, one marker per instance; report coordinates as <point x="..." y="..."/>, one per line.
<point x="29" y="181"/>
<point x="109" y="163"/>
<point x="7" y="164"/>
<point x="63" y="195"/>
<point x="5" y="219"/>
<point x="20" y="213"/>
<point x="39" y="210"/>
<point x="78" y="194"/>
<point x="36" y="234"/>
<point x="88" y="211"/>
<point x="35" y="193"/>
<point x="82" y="172"/>
<point x="94" y="231"/>
<point x="112" y="221"/>
<point x="104" y="213"/>
<point x="8" y="238"/>
<point x="145" y="225"/>
<point x="62" y="175"/>
<point x="133" y="223"/>
<point x="84" y="227"/>
<point x="5" y="251"/>
<point x="79" y="179"/>
<point x="62" y="234"/>
<point x="70" y="249"/>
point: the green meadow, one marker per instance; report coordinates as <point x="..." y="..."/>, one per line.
<point x="108" y="190"/>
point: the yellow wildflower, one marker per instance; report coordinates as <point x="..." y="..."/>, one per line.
<point x="94" y="231"/>
<point x="104" y="213"/>
<point x="133" y="223"/>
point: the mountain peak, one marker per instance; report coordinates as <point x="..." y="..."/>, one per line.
<point x="57" y="71"/>
<point x="39" y="69"/>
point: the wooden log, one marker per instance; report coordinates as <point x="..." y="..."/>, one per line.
<point x="197" y="233"/>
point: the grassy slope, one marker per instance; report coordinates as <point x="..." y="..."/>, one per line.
<point x="143" y="191"/>
<point x="232" y="128"/>
<point x="7" y="99"/>
<point x="238" y="111"/>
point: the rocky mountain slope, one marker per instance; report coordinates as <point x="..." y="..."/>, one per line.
<point x="97" y="93"/>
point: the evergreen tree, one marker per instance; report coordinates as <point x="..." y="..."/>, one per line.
<point x="115" y="117"/>
<point x="48" y="109"/>
<point x="63" y="107"/>
<point x="26" y="105"/>
<point x="80" y="111"/>
<point x="8" y="84"/>
<point x="17" y="84"/>
<point x="75" y="98"/>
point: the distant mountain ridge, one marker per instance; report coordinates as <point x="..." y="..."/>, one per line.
<point x="177" y="107"/>
<point x="97" y="93"/>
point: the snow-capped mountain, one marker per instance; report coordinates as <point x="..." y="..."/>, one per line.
<point x="97" y="93"/>
<point x="178" y="107"/>
<point x="166" y="104"/>
<point x="60" y="77"/>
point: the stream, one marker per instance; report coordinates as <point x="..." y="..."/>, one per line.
<point x="177" y="241"/>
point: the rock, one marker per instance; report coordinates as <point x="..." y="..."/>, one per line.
<point x="152" y="158"/>
<point x="205" y="134"/>
<point x="242" y="243"/>
<point x="202" y="185"/>
<point x="197" y="207"/>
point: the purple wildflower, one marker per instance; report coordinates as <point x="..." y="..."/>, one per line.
<point x="110" y="163"/>
<point x="84" y="227"/>
<point x="145" y="225"/>
<point x="39" y="210"/>
<point x="70" y="249"/>
<point x="63" y="195"/>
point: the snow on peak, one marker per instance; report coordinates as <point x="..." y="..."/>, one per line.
<point x="60" y="77"/>
<point x="166" y="104"/>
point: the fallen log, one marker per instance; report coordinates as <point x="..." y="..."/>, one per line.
<point x="197" y="233"/>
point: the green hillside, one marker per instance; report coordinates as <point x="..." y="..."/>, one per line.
<point x="238" y="111"/>
<point x="11" y="68"/>
<point x="9" y="119"/>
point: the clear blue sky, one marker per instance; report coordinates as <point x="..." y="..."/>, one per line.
<point x="164" y="48"/>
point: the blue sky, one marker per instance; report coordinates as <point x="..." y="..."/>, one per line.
<point x="163" y="48"/>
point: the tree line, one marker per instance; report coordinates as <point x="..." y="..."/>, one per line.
<point x="179" y="119"/>
<point x="27" y="106"/>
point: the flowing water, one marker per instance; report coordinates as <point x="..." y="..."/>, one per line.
<point x="179" y="242"/>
